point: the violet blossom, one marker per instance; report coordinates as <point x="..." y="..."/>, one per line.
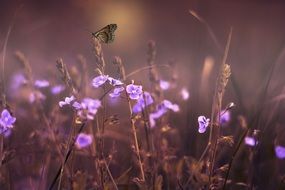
<point x="57" y="89"/>
<point x="67" y="101"/>
<point x="250" y="141"/>
<point x="41" y="83"/>
<point x="6" y="121"/>
<point x="144" y="100"/>
<point x="99" y="80"/>
<point x="225" y="117"/>
<point x="185" y="94"/>
<point x="115" y="82"/>
<point x="88" y="108"/>
<point x="280" y="151"/>
<point x="161" y="109"/>
<point x="116" y="92"/>
<point x="164" y="85"/>
<point x="134" y="91"/>
<point x="83" y="140"/>
<point x="203" y="124"/>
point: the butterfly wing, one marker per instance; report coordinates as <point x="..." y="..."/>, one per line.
<point x="106" y="34"/>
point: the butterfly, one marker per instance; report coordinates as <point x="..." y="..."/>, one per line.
<point x="106" y="34"/>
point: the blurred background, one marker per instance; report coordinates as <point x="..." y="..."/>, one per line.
<point x="46" y="30"/>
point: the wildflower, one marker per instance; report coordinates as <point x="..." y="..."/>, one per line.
<point x="134" y="91"/>
<point x="280" y="151"/>
<point x="171" y="106"/>
<point x="115" y="82"/>
<point x="161" y="110"/>
<point x="91" y="105"/>
<point x="250" y="141"/>
<point x="57" y="89"/>
<point x="66" y="101"/>
<point x="17" y="81"/>
<point x="156" y="115"/>
<point x="164" y="85"/>
<point x="184" y="93"/>
<point x="116" y="92"/>
<point x="41" y="83"/>
<point x="76" y="105"/>
<point x="144" y="100"/>
<point x="225" y="117"/>
<point x="6" y="121"/>
<point x="6" y="133"/>
<point x="83" y="140"/>
<point x="36" y="95"/>
<point x="99" y="80"/>
<point x="203" y="124"/>
<point x="87" y="108"/>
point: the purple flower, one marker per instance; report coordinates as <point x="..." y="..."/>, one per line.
<point x="164" y="85"/>
<point x="203" y="124"/>
<point x="280" y="151"/>
<point x="57" y="89"/>
<point x="171" y="106"/>
<point x="115" y="82"/>
<point x="76" y="105"/>
<point x="17" y="81"/>
<point x="99" y="80"/>
<point x="185" y="94"/>
<point x="116" y="92"/>
<point x="91" y="104"/>
<point x="156" y="115"/>
<point x="225" y="117"/>
<point x="142" y="102"/>
<point x="41" y="83"/>
<point x="161" y="109"/>
<point x="87" y="108"/>
<point x="83" y="140"/>
<point x="250" y="141"/>
<point x="6" y="121"/>
<point x="36" y="95"/>
<point x="66" y="101"/>
<point x="134" y="91"/>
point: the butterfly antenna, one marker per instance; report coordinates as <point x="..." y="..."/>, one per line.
<point x="85" y="29"/>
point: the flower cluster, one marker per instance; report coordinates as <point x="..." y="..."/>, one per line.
<point x="86" y="109"/>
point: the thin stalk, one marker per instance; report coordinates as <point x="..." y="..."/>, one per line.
<point x="216" y="109"/>
<point x="66" y="158"/>
<point x="137" y="149"/>
<point x="145" y="68"/>
<point x="69" y="144"/>
<point x="110" y="175"/>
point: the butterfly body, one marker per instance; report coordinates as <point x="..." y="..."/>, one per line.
<point x="106" y="34"/>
